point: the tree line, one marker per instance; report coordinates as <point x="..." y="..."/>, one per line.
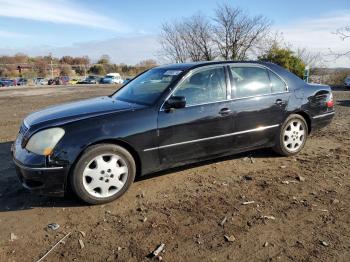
<point x="22" y="65"/>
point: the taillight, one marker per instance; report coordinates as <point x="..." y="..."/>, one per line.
<point x="330" y="102"/>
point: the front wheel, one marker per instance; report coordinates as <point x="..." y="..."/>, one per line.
<point x="103" y="173"/>
<point x="292" y="136"/>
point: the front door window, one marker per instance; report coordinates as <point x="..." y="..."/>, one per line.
<point x="203" y="87"/>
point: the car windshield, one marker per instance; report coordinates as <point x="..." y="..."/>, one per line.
<point x="148" y="87"/>
<point x="109" y="77"/>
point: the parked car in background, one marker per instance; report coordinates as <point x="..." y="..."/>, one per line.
<point x="73" y="81"/>
<point x="22" y="81"/>
<point x="64" y="80"/>
<point x="40" y="81"/>
<point x="112" y="78"/>
<point x="7" y="82"/>
<point x="347" y="81"/>
<point x="166" y="117"/>
<point x="59" y="80"/>
<point x="90" y="80"/>
<point x="54" y="81"/>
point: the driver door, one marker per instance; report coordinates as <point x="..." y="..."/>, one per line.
<point x="198" y="130"/>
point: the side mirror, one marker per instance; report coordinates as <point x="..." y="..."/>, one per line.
<point x="175" y="102"/>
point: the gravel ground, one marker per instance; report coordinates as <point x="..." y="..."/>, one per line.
<point x="190" y="209"/>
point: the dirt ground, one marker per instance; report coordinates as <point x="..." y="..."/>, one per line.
<point x="191" y="209"/>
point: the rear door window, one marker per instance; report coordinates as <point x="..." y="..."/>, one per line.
<point x="250" y="81"/>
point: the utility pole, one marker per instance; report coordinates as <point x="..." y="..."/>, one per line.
<point x="51" y="66"/>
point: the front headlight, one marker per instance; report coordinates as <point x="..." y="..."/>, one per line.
<point x="43" y="142"/>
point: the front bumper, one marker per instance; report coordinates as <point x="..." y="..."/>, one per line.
<point x="44" y="181"/>
<point x="35" y="175"/>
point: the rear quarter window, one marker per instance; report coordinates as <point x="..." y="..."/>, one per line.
<point x="277" y="84"/>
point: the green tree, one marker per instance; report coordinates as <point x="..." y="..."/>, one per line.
<point x="3" y="71"/>
<point x="80" y="70"/>
<point x="97" y="69"/>
<point x="285" y="58"/>
<point x="104" y="59"/>
<point x="66" y="70"/>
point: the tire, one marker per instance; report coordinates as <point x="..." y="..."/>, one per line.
<point x="103" y="173"/>
<point x="292" y="136"/>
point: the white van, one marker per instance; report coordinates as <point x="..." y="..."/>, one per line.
<point x="112" y="78"/>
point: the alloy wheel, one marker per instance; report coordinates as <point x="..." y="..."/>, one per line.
<point x="294" y="135"/>
<point x="105" y="175"/>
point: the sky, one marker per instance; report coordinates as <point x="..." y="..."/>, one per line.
<point x="128" y="30"/>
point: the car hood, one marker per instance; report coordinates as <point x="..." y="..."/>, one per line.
<point x="78" y="110"/>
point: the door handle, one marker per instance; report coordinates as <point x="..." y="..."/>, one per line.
<point x="225" y="111"/>
<point x="280" y="102"/>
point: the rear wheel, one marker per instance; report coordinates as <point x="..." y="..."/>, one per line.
<point x="292" y="137"/>
<point x="103" y="173"/>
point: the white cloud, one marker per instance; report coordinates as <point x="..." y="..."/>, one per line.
<point x="11" y="34"/>
<point x="58" y="11"/>
<point x="129" y="50"/>
<point x="317" y="34"/>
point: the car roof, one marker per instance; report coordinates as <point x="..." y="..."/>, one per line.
<point x="192" y="65"/>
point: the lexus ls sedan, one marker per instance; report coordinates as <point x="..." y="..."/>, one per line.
<point x="167" y="116"/>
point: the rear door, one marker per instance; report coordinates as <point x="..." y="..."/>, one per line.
<point x="199" y="129"/>
<point x="259" y="100"/>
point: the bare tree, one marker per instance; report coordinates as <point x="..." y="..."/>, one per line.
<point x="232" y="35"/>
<point x="344" y="34"/>
<point x="236" y="33"/>
<point x="310" y="58"/>
<point x="148" y="63"/>
<point x="188" y="40"/>
<point x="172" y="43"/>
<point x="197" y="34"/>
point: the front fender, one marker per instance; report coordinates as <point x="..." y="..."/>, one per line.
<point x="136" y="128"/>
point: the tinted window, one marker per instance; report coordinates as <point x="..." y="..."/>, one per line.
<point x="148" y="87"/>
<point x="277" y="85"/>
<point x="250" y="81"/>
<point x="203" y="87"/>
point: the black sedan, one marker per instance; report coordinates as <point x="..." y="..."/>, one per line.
<point x="168" y="116"/>
<point x="22" y="81"/>
<point x="90" y="80"/>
